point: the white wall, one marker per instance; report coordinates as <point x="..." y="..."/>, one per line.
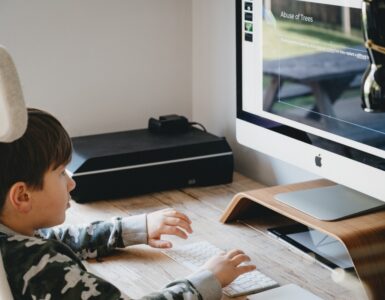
<point x="103" y="66"/>
<point x="214" y="89"/>
<point x="98" y="65"/>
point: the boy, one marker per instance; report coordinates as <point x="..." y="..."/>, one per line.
<point x="46" y="263"/>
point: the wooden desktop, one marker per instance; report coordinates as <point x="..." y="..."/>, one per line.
<point x="139" y="270"/>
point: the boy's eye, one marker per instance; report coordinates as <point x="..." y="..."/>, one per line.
<point x="64" y="173"/>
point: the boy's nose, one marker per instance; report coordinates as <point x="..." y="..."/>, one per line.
<point x="71" y="184"/>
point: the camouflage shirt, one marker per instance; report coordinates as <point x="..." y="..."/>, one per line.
<point x="48" y="266"/>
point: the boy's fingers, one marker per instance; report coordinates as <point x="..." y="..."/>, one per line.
<point x="234" y="252"/>
<point x="160" y="244"/>
<point x="245" y="268"/>
<point x="177" y="214"/>
<point x="240" y="258"/>
<point x="175" y="231"/>
<point x="178" y="222"/>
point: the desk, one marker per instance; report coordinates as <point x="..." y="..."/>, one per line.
<point x="327" y="75"/>
<point x="139" y="270"/>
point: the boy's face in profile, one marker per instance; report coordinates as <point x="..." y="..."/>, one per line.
<point x="50" y="203"/>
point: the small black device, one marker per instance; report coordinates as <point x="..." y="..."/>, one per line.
<point x="122" y="164"/>
<point x="169" y="124"/>
<point x="324" y="248"/>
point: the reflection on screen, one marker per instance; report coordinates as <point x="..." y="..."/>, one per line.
<point x="313" y="61"/>
<point x="325" y="246"/>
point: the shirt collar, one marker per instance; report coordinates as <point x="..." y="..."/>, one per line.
<point x="9" y="231"/>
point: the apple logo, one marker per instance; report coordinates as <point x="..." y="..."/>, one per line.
<point x="318" y="160"/>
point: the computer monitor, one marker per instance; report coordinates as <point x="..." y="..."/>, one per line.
<point x="299" y="69"/>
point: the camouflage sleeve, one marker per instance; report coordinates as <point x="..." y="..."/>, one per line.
<point x="205" y="283"/>
<point x="72" y="282"/>
<point x="199" y="286"/>
<point x="100" y="238"/>
<point x="47" y="269"/>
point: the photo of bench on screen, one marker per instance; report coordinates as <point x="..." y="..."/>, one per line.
<point x="313" y="61"/>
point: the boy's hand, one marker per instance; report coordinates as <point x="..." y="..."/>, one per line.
<point x="226" y="266"/>
<point x="166" y="221"/>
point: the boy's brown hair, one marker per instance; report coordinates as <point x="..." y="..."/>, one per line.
<point x="45" y="145"/>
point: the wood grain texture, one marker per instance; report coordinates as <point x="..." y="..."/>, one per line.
<point x="363" y="236"/>
<point x="139" y="270"/>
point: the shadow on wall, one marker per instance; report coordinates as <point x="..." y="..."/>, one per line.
<point x="265" y="169"/>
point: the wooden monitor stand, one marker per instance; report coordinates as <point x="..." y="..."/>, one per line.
<point x="363" y="236"/>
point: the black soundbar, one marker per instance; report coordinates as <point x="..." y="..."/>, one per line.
<point x="123" y="164"/>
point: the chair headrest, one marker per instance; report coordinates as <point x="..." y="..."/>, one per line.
<point x="13" y="113"/>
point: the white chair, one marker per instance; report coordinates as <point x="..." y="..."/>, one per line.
<point x="13" y="113"/>
<point x="13" y="122"/>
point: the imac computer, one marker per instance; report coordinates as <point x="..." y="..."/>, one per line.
<point x="299" y="70"/>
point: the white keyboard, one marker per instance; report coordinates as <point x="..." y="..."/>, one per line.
<point x="194" y="255"/>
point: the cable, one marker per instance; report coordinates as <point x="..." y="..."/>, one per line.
<point x="198" y="124"/>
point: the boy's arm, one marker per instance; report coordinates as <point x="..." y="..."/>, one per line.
<point x="50" y="270"/>
<point x="204" y="282"/>
<point x="79" y="284"/>
<point x="73" y="282"/>
<point x="100" y="238"/>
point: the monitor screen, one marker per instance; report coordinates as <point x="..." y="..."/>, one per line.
<point x="299" y="70"/>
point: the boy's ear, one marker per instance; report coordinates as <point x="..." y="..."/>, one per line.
<point x="20" y="198"/>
